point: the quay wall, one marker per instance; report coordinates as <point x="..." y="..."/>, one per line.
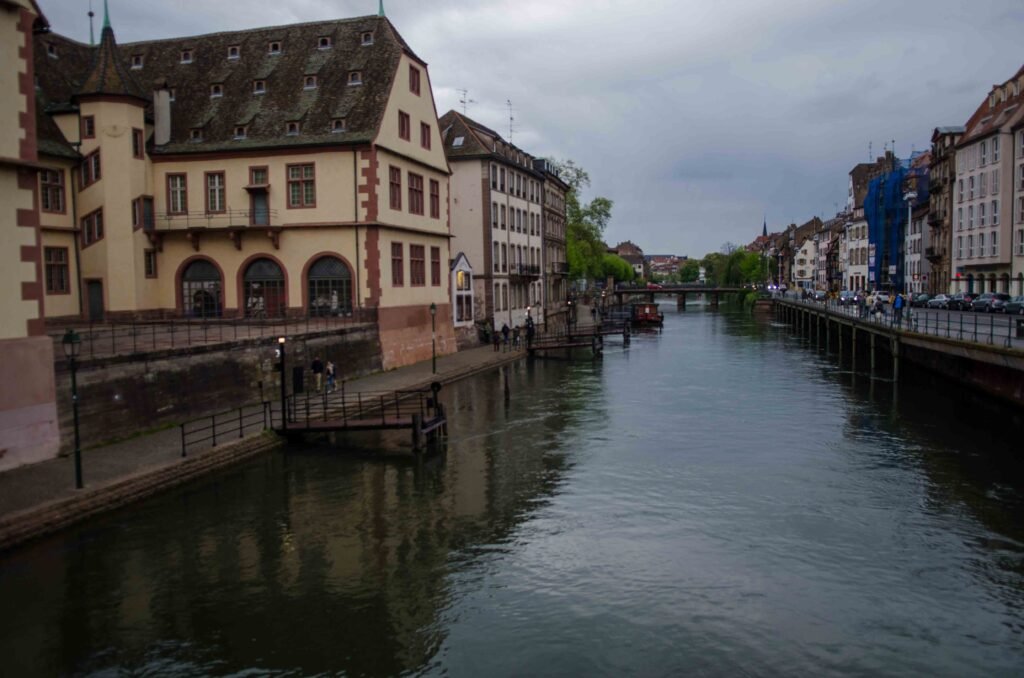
<point x="122" y="396"/>
<point x="23" y="526"/>
<point x="990" y="369"/>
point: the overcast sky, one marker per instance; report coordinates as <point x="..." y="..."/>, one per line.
<point x="695" y="117"/>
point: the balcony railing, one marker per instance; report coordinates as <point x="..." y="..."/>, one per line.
<point x="528" y="270"/>
<point x="171" y="221"/>
<point x="560" y="267"/>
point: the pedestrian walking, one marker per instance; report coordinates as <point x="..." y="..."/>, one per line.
<point x="329" y="370"/>
<point x="515" y="337"/>
<point x="504" y="333"/>
<point x="497" y="341"/>
<point x="897" y="310"/>
<point x="318" y="373"/>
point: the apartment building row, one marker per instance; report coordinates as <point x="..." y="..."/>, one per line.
<point x="287" y="171"/>
<point x="946" y="220"/>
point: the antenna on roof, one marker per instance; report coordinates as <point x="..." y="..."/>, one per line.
<point x="92" y="38"/>
<point x="511" y="120"/>
<point x="871" y="154"/>
<point x="464" y="99"/>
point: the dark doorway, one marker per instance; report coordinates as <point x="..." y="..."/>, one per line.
<point x="94" y="288"/>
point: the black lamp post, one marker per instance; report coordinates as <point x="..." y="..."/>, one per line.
<point x="433" y="337"/>
<point x="569" y="318"/>
<point x="72" y="344"/>
<point x="284" y="392"/>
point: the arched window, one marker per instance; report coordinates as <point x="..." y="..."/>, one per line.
<point x="201" y="290"/>
<point x="263" y="289"/>
<point x="330" y="287"/>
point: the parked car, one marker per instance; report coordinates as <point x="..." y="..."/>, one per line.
<point x="961" y="301"/>
<point x="882" y="296"/>
<point x="991" y="302"/>
<point x="919" y="300"/>
<point x="1015" y="305"/>
<point x="939" y="301"/>
<point x="982" y="302"/>
<point x="819" y="295"/>
<point x="653" y="286"/>
<point x="847" y="298"/>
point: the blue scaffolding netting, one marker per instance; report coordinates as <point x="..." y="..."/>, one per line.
<point x="886" y="212"/>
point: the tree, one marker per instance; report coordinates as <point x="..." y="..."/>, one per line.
<point x="689" y="271"/>
<point x="616" y="267"/>
<point x="585" y="222"/>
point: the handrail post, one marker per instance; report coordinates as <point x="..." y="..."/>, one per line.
<point x="241" y="426"/>
<point x="213" y="423"/>
<point x="183" y="448"/>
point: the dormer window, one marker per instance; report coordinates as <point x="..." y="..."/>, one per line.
<point x="241" y="132"/>
<point x="186" y="56"/>
<point x="216" y="91"/>
<point x="259" y="86"/>
<point x="309" y="82"/>
<point x="292" y="129"/>
<point x="195" y="134"/>
<point x="366" y="38"/>
<point x="136" y="62"/>
<point x="234" y="52"/>
<point x="274" y="47"/>
<point x="338" y="125"/>
<point x="324" y="42"/>
<point x="51" y="51"/>
<point x="355" y="77"/>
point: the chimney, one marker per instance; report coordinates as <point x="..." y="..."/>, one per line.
<point x="161" y="112"/>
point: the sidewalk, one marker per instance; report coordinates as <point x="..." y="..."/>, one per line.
<point x="28" y="489"/>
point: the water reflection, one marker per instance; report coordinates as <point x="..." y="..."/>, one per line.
<point x="720" y="498"/>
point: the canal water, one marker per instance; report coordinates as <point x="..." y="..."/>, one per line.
<point x="718" y="499"/>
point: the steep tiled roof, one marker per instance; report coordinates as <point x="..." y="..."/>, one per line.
<point x="49" y="138"/>
<point x="478" y="141"/>
<point x="109" y="75"/>
<point x="265" y="115"/>
<point x="1002" y="103"/>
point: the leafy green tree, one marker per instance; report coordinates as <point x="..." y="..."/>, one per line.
<point x="585" y="223"/>
<point x="689" y="271"/>
<point x="616" y="267"/>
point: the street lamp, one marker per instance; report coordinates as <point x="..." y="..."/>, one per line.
<point x="433" y="337"/>
<point x="72" y="344"/>
<point x="568" y="318"/>
<point x="284" y="392"/>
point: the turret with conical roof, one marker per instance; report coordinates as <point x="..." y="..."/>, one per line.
<point x="109" y="75"/>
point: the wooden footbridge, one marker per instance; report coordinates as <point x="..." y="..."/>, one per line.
<point x="590" y="336"/>
<point x="418" y="411"/>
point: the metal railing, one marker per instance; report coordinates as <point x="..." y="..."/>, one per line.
<point x="221" y="427"/>
<point x="229" y="218"/>
<point x="132" y="337"/>
<point x="382" y="408"/>
<point x="970" y="327"/>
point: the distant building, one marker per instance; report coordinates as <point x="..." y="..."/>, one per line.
<point x="983" y="254"/>
<point x="633" y="255"/>
<point x="942" y="178"/>
<point x="497" y="219"/>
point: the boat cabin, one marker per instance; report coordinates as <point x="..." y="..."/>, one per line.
<point x="646" y="314"/>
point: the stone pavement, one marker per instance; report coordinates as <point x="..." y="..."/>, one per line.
<point x="28" y="489"/>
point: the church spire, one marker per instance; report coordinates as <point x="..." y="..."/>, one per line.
<point x="106" y="14"/>
<point x="380" y="10"/>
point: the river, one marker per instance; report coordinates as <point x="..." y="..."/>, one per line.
<point x="718" y="499"/>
